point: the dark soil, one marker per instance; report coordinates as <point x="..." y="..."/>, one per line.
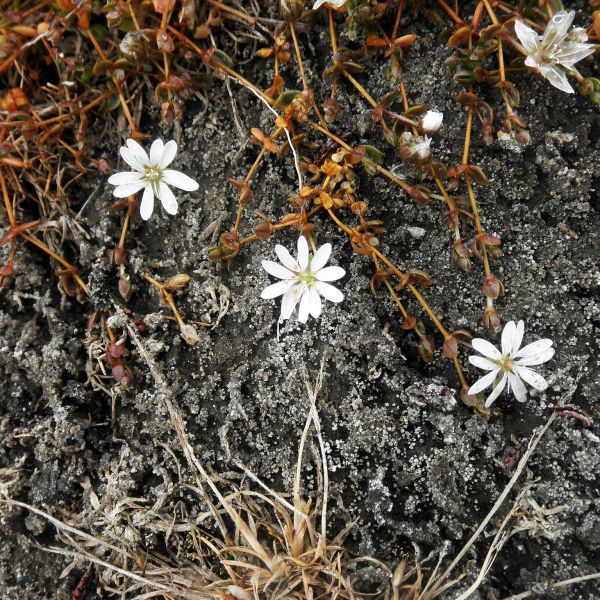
<point x="408" y="461"/>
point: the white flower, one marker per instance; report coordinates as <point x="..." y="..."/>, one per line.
<point x="303" y="280"/>
<point x="511" y="366"/>
<point x="431" y="121"/>
<point x="332" y="3"/>
<point x="151" y="174"/>
<point x="557" y="50"/>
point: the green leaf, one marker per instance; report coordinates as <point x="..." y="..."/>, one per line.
<point x="112" y="103"/>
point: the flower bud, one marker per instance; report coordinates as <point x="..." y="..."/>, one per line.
<point x="467" y="399"/>
<point x="125" y="288"/>
<point x="122" y="374"/>
<point x="409" y="323"/>
<point x="491" y="321"/>
<point x="116" y="350"/>
<point x="431" y="121"/>
<point x="426" y="349"/>
<point x="264" y="230"/>
<point x="119" y="256"/>
<point x="177" y="282"/>
<point x="450" y="347"/>
<point x="492" y="287"/>
<point x="6" y="276"/>
<point x="164" y="42"/>
<point x="460" y="255"/>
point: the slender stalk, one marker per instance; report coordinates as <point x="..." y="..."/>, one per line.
<point x="398" y="17"/>
<point x="298" y="56"/>
<point x="332" y="35"/>
<point x="451" y="13"/>
<point x="233" y="11"/>
<point x="57" y="258"/>
<point x="7" y="202"/>
<point x="360" y="88"/>
<point x="124" y="231"/>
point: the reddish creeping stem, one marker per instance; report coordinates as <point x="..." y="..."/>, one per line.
<point x="573" y="412"/>
<point x="80" y="591"/>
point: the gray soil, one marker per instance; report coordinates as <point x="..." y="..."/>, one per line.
<point x="408" y="461"/>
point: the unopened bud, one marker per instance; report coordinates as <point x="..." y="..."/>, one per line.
<point x="409" y="323"/>
<point x="450" y="347"/>
<point x="460" y="255"/>
<point x="177" y="282"/>
<point x="467" y="399"/>
<point x="122" y="374"/>
<point x="491" y="321"/>
<point x="116" y="350"/>
<point x="6" y="276"/>
<point x="431" y="121"/>
<point x="492" y="287"/>
<point x="264" y="230"/>
<point x="119" y="256"/>
<point x="125" y="288"/>
<point x="164" y="42"/>
<point x="426" y="349"/>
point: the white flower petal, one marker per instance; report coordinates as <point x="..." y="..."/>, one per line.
<point x="534" y="348"/>
<point x="167" y="198"/>
<point x="276" y="289"/>
<point x="320" y="258"/>
<point x="527" y="36"/>
<point x="156" y="152"/>
<point x="557" y="28"/>
<point x="531" y="61"/>
<point x="290" y="300"/>
<point x="518" y="338"/>
<point x="147" y="204"/>
<point x="122" y="191"/>
<point x="304" y="309"/>
<point x="535" y="359"/>
<point x="571" y="53"/>
<point x="484" y="347"/>
<point x="328" y="291"/>
<point x="131" y="159"/>
<point x="509" y="334"/>
<point x="518" y="387"/>
<point x="168" y="155"/>
<point x="286" y="258"/>
<point x="138" y="152"/>
<point x="482" y="363"/>
<point x="332" y="3"/>
<point x="315" y="303"/>
<point x="330" y="274"/>
<point x="302" y="253"/>
<point x="277" y="270"/>
<point x="125" y="178"/>
<point x="534" y="379"/>
<point x="483" y="382"/>
<point x="557" y="78"/>
<point x="179" y="180"/>
<point x="497" y="390"/>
